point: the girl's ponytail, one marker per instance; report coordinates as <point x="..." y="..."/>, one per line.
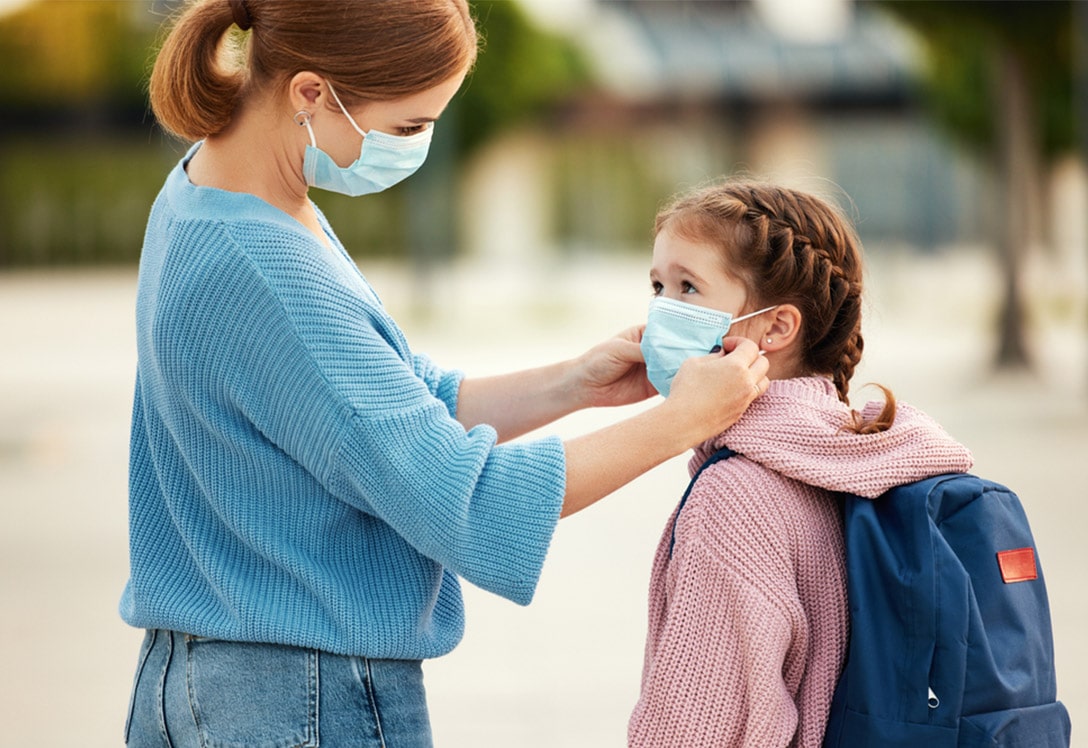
<point x="194" y="89"/>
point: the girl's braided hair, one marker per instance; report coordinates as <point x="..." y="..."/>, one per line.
<point x="788" y="247"/>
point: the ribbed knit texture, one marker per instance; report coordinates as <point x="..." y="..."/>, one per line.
<point x="297" y="475"/>
<point x="748" y="620"/>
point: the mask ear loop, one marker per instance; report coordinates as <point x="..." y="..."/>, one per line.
<point x="749" y="316"/>
<point x="345" y="111"/>
<point x="302" y="118"/>
<point x="753" y="314"/>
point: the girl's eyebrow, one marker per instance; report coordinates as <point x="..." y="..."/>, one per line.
<point x="685" y="270"/>
<point x="682" y="270"/>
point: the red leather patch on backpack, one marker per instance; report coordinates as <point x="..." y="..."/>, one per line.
<point x="1018" y="565"/>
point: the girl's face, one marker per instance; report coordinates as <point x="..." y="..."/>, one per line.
<point x="692" y="272"/>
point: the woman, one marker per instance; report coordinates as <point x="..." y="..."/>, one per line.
<point x="304" y="489"/>
<point x="748" y="620"/>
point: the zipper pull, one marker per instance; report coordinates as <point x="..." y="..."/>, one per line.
<point x="933" y="701"/>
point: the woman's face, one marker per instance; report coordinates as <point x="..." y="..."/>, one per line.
<point x="405" y="116"/>
<point x="692" y="272"/>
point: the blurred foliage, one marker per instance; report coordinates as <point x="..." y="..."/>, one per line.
<point x="521" y="72"/>
<point x="81" y="159"/>
<point x="66" y="53"/>
<point x="962" y="77"/>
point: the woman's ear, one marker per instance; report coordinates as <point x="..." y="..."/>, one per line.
<point x="781" y="328"/>
<point x="304" y="90"/>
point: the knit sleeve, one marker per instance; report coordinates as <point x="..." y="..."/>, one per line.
<point x="442" y="383"/>
<point x="483" y="510"/>
<point x="713" y="672"/>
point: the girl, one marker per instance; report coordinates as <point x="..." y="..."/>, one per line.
<point x="305" y="490"/>
<point x="748" y="613"/>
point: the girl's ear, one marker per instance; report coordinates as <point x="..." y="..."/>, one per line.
<point x="781" y="329"/>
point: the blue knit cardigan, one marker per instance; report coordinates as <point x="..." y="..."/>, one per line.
<point x="296" y="472"/>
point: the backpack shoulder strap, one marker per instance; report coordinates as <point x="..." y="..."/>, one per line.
<point x="722" y="454"/>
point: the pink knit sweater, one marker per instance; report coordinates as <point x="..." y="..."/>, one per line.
<point x="748" y="620"/>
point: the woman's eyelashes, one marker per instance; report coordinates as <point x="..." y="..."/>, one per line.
<point x="412" y="129"/>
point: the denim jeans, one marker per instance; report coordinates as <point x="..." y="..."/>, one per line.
<point x="206" y="693"/>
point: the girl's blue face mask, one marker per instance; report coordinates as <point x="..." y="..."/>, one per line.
<point x="676" y="331"/>
<point x="383" y="159"/>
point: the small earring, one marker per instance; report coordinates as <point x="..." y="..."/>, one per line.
<point x="769" y="341"/>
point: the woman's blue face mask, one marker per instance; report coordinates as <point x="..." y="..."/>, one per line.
<point x="383" y="159"/>
<point x="676" y="331"/>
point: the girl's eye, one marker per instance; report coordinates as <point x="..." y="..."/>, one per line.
<point x="687" y="288"/>
<point x="657" y="288"/>
<point x="412" y="130"/>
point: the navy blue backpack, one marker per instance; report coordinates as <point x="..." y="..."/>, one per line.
<point x="950" y="634"/>
<point x="950" y="631"/>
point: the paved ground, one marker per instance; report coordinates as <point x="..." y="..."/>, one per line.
<point x="562" y="672"/>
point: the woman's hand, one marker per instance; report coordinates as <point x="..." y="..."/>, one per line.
<point x="708" y="395"/>
<point x="713" y="391"/>
<point x="612" y="372"/>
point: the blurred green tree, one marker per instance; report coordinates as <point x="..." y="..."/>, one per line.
<point x="1000" y="80"/>
<point x="522" y="72"/>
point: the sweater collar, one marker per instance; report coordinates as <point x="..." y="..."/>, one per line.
<point x="796" y="428"/>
